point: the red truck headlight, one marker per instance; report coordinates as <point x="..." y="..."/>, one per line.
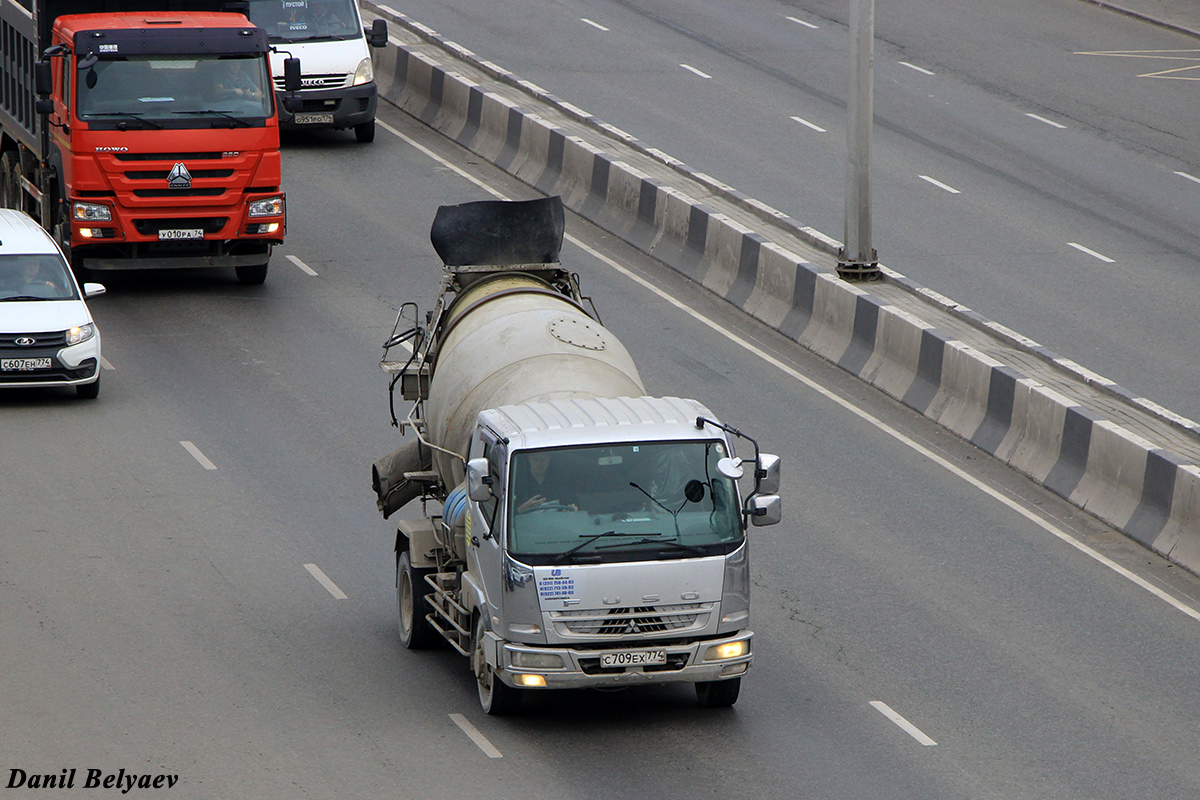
<point x="266" y="207"/>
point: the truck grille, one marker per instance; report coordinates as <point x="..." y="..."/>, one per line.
<point x="162" y="174"/>
<point x="624" y="622"/>
<point x="675" y="662"/>
<point x="151" y="227"/>
<point x="314" y="82"/>
<point x="204" y="156"/>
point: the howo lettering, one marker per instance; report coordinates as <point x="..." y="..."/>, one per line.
<point x="145" y="135"/>
<point x="575" y="532"/>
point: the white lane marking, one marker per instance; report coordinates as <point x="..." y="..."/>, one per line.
<point x="595" y="25"/>
<point x="1092" y="253"/>
<point x="1047" y="121"/>
<point x="816" y="128"/>
<point x="939" y="184"/>
<point x="921" y="70"/>
<point x="323" y="579"/>
<point x="196" y="454"/>
<point x="478" y="738"/>
<point x="690" y="68"/>
<point x="802" y="22"/>
<point x="304" y="267"/>
<point x="1189" y="177"/>
<point x="104" y="363"/>
<point x="829" y="394"/>
<point x="908" y="727"/>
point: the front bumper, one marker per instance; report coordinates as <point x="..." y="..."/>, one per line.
<point x="69" y="366"/>
<point x="581" y="667"/>
<point x="330" y="108"/>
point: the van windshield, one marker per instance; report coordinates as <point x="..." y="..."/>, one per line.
<point x="625" y="502"/>
<point x="306" y="20"/>
<point x="167" y="91"/>
<point x="26" y="277"/>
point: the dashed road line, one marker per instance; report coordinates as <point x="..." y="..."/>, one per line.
<point x="105" y="363"/>
<point x="939" y="184"/>
<point x="905" y="725"/>
<point x="1092" y="253"/>
<point x="595" y="25"/>
<point x="1047" y="121"/>
<point x="475" y="736"/>
<point x="690" y="68"/>
<point x="816" y="128"/>
<point x="802" y="22"/>
<point x="199" y="456"/>
<point x="1189" y="177"/>
<point x="921" y="70"/>
<point x="323" y="579"/>
<point x="304" y="267"/>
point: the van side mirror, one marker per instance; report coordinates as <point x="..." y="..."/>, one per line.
<point x="479" y="482"/>
<point x="765" y="509"/>
<point x="377" y="36"/>
<point x="768" y="473"/>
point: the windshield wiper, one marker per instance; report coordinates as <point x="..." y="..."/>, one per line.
<point x="691" y="548"/>
<point x="129" y="114"/>
<point x="224" y="114"/>
<point x="589" y="539"/>
<point x="25" y="298"/>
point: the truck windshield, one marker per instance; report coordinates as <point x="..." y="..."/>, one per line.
<point x="162" y="91"/>
<point x="306" y="20"/>
<point x="35" y="277"/>
<point x="626" y="502"/>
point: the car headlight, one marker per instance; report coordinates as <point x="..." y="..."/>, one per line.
<point x="80" y="333"/>
<point x="728" y="650"/>
<point x="365" y="72"/>
<point x="90" y="212"/>
<point x="267" y="207"/>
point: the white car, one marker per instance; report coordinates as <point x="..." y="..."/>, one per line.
<point x="47" y="335"/>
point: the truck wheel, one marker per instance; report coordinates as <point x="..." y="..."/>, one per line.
<point x="10" y="192"/>
<point x="496" y="697"/>
<point x="365" y="132"/>
<point x="252" y="276"/>
<point x="415" y="631"/>
<point x="718" y="694"/>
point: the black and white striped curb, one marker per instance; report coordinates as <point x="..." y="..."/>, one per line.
<point x="781" y="273"/>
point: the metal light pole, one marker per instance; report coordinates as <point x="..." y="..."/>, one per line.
<point x="857" y="259"/>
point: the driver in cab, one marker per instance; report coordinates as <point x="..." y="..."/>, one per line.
<point x="542" y="485"/>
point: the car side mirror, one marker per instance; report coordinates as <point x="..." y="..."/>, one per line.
<point x="479" y="482"/>
<point x="377" y="36"/>
<point x="768" y="473"/>
<point x="765" y="509"/>
<point x="93" y="289"/>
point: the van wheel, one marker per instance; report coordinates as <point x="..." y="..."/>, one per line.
<point x="251" y="276"/>
<point x="415" y="631"/>
<point x="365" y="132"/>
<point x="496" y="697"/>
<point x="89" y="391"/>
<point x="718" y="694"/>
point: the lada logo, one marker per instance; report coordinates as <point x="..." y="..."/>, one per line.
<point x="179" y="177"/>
<point x="26" y="341"/>
<point x="112" y="149"/>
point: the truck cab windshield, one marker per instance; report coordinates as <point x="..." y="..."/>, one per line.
<point x="626" y="502"/>
<point x="306" y="20"/>
<point x="168" y="91"/>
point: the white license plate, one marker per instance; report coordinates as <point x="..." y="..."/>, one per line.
<point x="636" y="658"/>
<point x="23" y="364"/>
<point x="180" y="233"/>
<point x="314" y="119"/>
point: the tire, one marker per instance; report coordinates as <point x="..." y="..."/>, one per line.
<point x="415" y="631"/>
<point x="251" y="276"/>
<point x="365" y="133"/>
<point x="89" y="391"/>
<point x="718" y="694"/>
<point x="495" y="697"/>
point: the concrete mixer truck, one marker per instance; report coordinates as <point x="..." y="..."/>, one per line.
<point x="573" y="532"/>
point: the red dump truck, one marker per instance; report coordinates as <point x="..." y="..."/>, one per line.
<point x="143" y="134"/>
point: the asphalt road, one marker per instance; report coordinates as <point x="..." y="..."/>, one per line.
<point x="194" y="580"/>
<point x="1033" y="160"/>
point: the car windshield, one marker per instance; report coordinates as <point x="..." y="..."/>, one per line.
<point x="160" y="91"/>
<point x="35" y="277"/>
<point x="305" y="20"/>
<point x="643" y="501"/>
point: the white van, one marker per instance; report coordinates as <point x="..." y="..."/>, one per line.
<point x="47" y="335"/>
<point x="338" y="82"/>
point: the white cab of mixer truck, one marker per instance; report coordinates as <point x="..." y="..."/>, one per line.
<point x="338" y="82"/>
<point x="575" y="532"/>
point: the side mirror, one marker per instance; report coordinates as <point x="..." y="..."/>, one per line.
<point x="378" y="35"/>
<point x="43" y="78"/>
<point x="768" y="473"/>
<point x="765" y="509"/>
<point x="730" y="468"/>
<point x="479" y="481"/>
<point x="93" y="289"/>
<point x="291" y="74"/>
<point x="43" y="105"/>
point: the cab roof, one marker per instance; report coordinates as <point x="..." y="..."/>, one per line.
<point x="599" y="421"/>
<point x="19" y="234"/>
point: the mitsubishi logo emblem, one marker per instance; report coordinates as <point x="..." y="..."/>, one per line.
<point x="179" y="177"/>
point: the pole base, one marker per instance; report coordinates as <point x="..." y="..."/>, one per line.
<point x="858" y="270"/>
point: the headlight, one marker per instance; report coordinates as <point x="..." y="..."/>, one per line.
<point x="728" y="650"/>
<point x="527" y="660"/>
<point x="90" y="212"/>
<point x="365" y="72"/>
<point x="80" y="333"/>
<point x="267" y="207"/>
